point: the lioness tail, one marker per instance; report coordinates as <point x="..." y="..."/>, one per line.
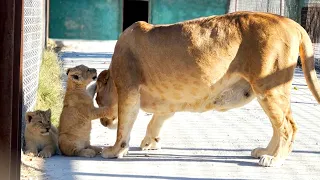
<point x="308" y="66"/>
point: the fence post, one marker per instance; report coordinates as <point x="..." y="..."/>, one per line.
<point x="10" y="88"/>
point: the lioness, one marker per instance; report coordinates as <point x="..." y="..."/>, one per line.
<point x="211" y="63"/>
<point x="40" y="136"/>
<point x="77" y="113"/>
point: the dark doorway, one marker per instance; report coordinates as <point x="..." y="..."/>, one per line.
<point x="133" y="11"/>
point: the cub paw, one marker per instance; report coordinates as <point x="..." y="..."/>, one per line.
<point x="87" y="153"/>
<point x="110" y="152"/>
<point x="149" y="143"/>
<point x="97" y="149"/>
<point x="31" y="153"/>
<point x="44" y="154"/>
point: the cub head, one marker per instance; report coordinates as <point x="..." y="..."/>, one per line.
<point x="82" y="75"/>
<point x="39" y="122"/>
<point x="107" y="96"/>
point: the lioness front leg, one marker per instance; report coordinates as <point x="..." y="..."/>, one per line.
<point x="47" y="151"/>
<point x="129" y="104"/>
<point x="152" y="138"/>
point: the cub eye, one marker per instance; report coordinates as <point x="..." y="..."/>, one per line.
<point x="75" y="77"/>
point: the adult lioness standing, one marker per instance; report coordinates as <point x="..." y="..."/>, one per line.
<point x="219" y="63"/>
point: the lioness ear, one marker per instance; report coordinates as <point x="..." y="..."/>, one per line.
<point x="104" y="76"/>
<point x="28" y="117"/>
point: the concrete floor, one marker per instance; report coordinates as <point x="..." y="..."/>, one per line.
<point x="210" y="145"/>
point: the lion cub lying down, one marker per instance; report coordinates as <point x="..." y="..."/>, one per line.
<point x="40" y="136"/>
<point x="77" y="113"/>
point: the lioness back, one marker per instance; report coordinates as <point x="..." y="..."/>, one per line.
<point x="172" y="61"/>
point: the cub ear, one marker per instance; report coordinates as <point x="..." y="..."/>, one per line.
<point x="104" y="76"/>
<point x="28" y="117"/>
<point x="48" y="112"/>
<point x="68" y="71"/>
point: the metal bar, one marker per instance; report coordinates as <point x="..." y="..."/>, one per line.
<point x="281" y="7"/>
<point x="17" y="92"/>
<point x="10" y="88"/>
<point x="236" y="5"/>
<point x="47" y="14"/>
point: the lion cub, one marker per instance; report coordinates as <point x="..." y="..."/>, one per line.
<point x="77" y="113"/>
<point x="40" y="135"/>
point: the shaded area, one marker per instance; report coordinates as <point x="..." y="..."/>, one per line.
<point x="134" y="11"/>
<point x="84" y="55"/>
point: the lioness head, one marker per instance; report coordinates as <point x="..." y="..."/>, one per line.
<point x="82" y="75"/>
<point x="107" y="96"/>
<point x="39" y="122"/>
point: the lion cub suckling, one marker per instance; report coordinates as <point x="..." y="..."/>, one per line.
<point x="41" y="137"/>
<point x="77" y="113"/>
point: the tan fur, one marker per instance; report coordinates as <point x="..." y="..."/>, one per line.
<point x="40" y="136"/>
<point x="212" y="63"/>
<point x="77" y="113"/>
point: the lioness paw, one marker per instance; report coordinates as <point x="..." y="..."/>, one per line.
<point x="258" y="152"/>
<point x="149" y="143"/>
<point x="109" y="152"/>
<point x="269" y="161"/>
<point x="44" y="154"/>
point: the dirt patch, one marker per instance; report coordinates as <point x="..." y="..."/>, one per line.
<point x="31" y="168"/>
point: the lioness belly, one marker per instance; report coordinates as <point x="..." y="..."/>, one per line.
<point x="225" y="94"/>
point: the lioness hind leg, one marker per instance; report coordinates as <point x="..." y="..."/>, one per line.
<point x="129" y="104"/>
<point x="276" y="104"/>
<point x="152" y="138"/>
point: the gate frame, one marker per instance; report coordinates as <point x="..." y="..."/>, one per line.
<point x="11" y="35"/>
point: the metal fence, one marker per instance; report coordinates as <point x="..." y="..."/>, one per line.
<point x="309" y="17"/>
<point x="288" y="8"/>
<point x="33" y="43"/>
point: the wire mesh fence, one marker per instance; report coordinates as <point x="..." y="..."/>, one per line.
<point x="308" y="16"/>
<point x="33" y="43"/>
